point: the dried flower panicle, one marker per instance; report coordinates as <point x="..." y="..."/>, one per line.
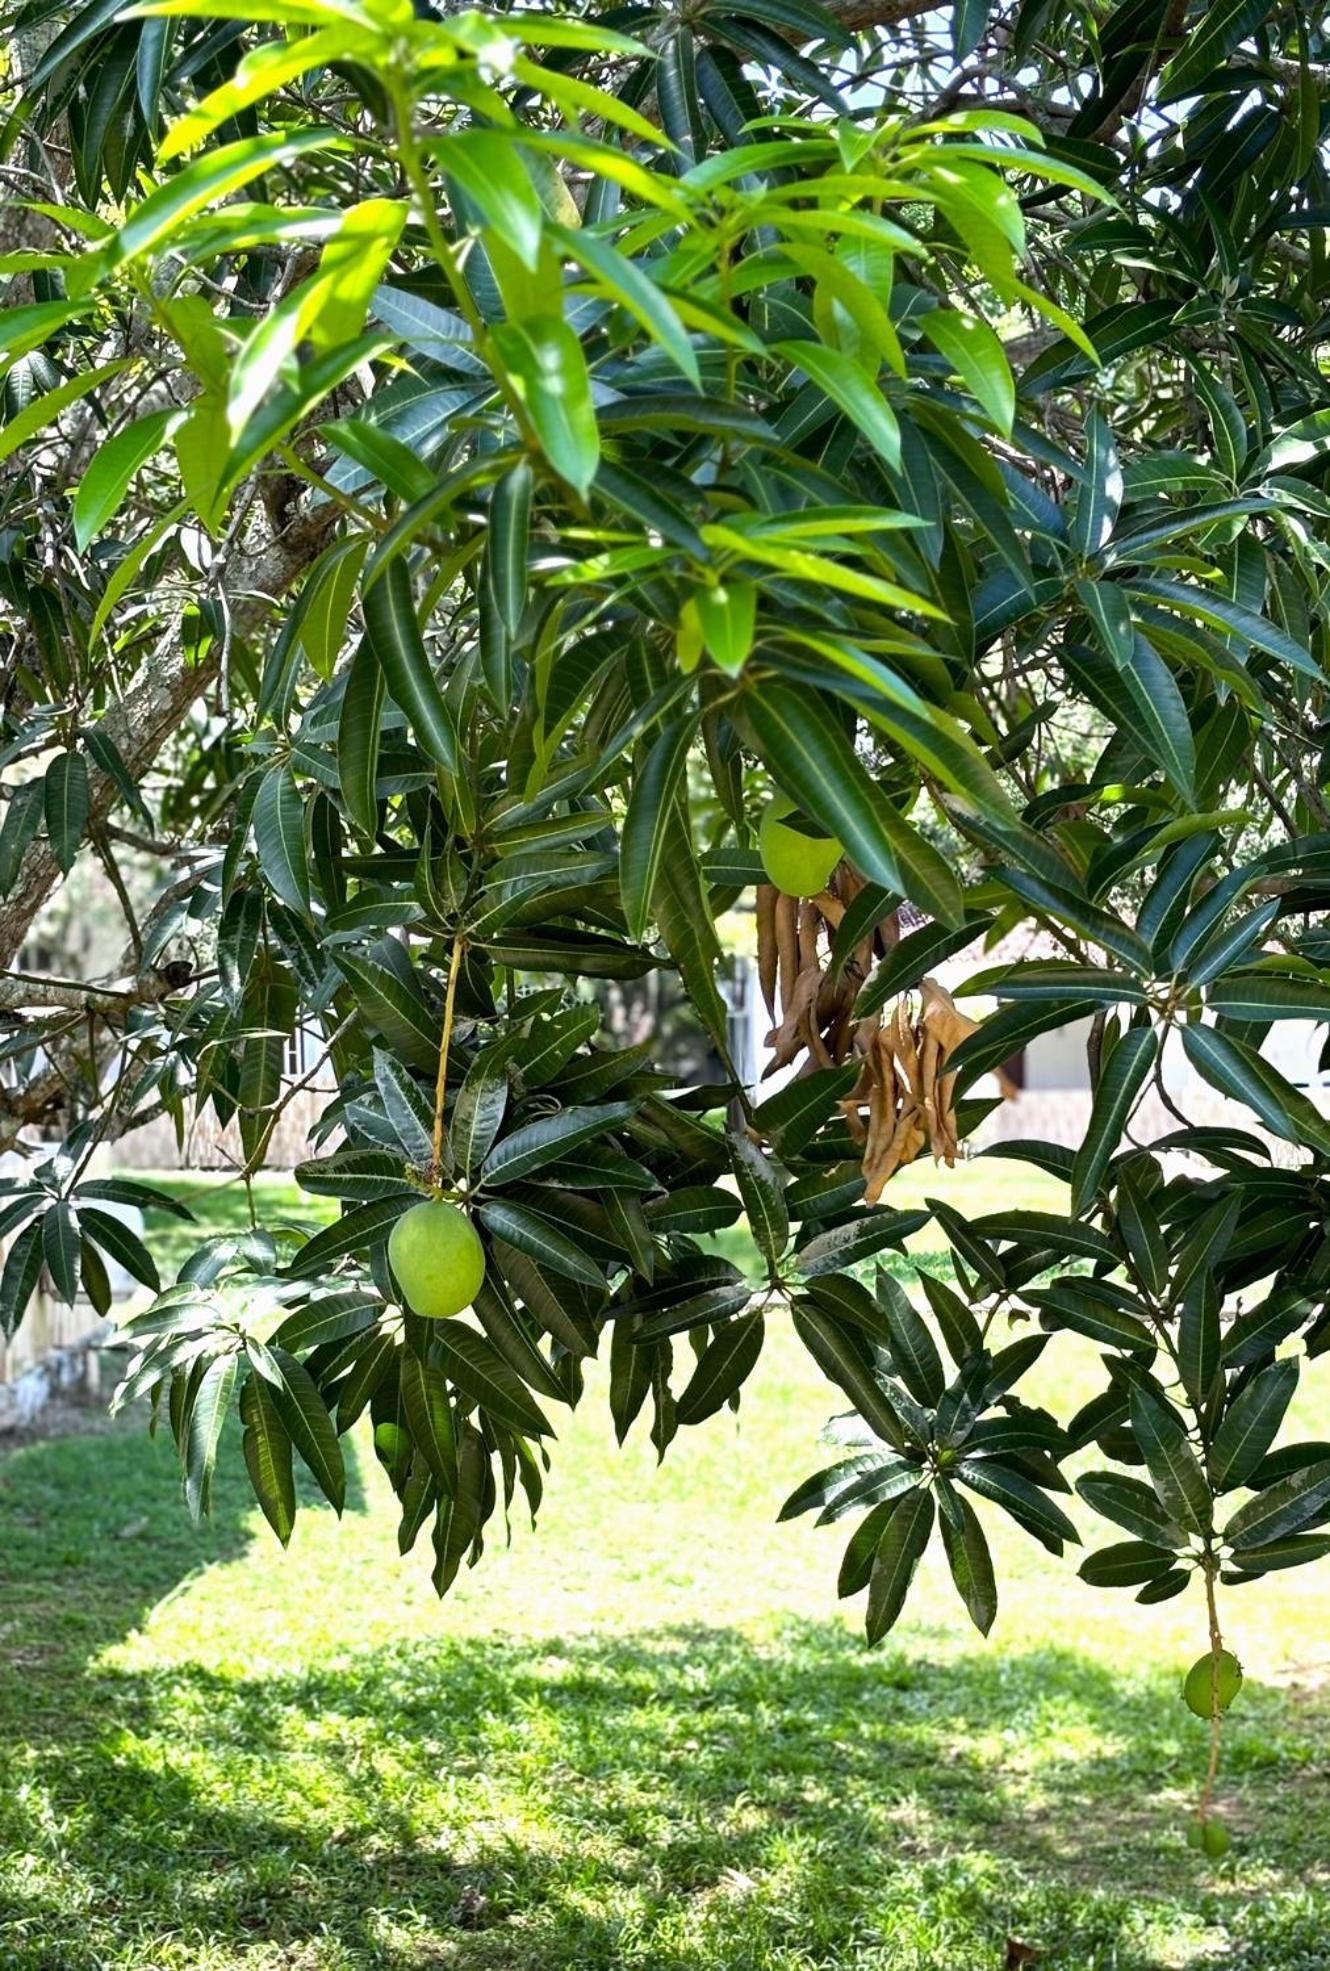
<point x="904" y="1098"/>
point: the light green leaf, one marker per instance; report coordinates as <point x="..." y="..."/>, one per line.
<point x="106" y="481"/>
<point x="977" y="357"/>
<point x="841" y="379"/>
<point x="544" y="365"/>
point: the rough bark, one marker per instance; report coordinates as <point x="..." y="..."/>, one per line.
<point x="160" y="699"/>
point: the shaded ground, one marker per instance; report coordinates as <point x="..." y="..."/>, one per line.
<point x="642" y="1738"/>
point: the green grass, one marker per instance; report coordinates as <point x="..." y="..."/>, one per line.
<point x="645" y="1735"/>
<point x="223" y="1205"/>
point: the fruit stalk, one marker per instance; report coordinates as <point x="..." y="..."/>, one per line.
<point x="1216" y="1713"/>
<point x="445" y="1042"/>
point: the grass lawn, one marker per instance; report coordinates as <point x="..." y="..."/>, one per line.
<point x="644" y="1736"/>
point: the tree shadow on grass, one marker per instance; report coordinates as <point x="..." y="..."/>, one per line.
<point x="688" y="1799"/>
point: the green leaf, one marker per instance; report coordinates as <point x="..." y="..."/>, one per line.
<point x="854" y="393"/>
<point x="825" y="1486"/>
<point x="67" y="804"/>
<point x="1065" y="907"/>
<point x="914" y="1353"/>
<point x="507" y="543"/>
<point x="479" y="1108"/>
<point x="818" y="768"/>
<point x="1054" y="978"/>
<point x="329" y="1317"/>
<point x="629" y="284"/>
<point x="359" y="1230"/>
<point x="898" y="1555"/>
<point x="969" y="21"/>
<point x="1181" y="1485"/>
<point x="1006" y="1032"/>
<point x="840" y="1359"/>
<point x="546" y="369"/>
<point x="103" y="486"/>
<point x="357" y="1175"/>
<point x="358" y="730"/>
<point x="479" y="1371"/>
<point x="540" y="1240"/>
<point x="306" y="1420"/>
<point x="858" y="1238"/>
<point x="857" y="1564"/>
<point x="1260" y="996"/>
<point x="60" y="1249"/>
<point x="1281" y="1509"/>
<point x="647" y="821"/>
<point x="763" y="1198"/>
<point x="1026" y="1502"/>
<point x="1115" y="1098"/>
<point x="1235" y="1069"/>
<point x="960" y="1330"/>
<point x="120" y="1241"/>
<point x="384" y="457"/>
<point x="18" y="430"/>
<point x="1095" y="509"/>
<point x="1142" y="697"/>
<point x="22" y="1271"/>
<point x="792" y="1116"/>
<point x="23" y="817"/>
<point x="1126" y="1564"/>
<point x="977" y="357"/>
<point x="206" y="1417"/>
<point x="210" y="179"/>
<point x="1209" y="42"/>
<point x="489" y="168"/>
<point x="886" y="1479"/>
<point x="407" y="1107"/>
<point x="971" y="1563"/>
<point x="1086" y="1313"/>
<point x="725" y="1365"/>
<point x="727" y="616"/>
<point x="398" y="1011"/>
<point x="1251" y="1424"/>
<point x="429" y="1417"/>
<point x="1216" y="610"/>
<point x="393" y="634"/>
<point x="548" y="1139"/>
<point x="267" y="1451"/>
<point x="279" y="836"/>
<point x="917" y="953"/>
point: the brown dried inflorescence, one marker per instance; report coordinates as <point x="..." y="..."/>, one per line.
<point x="904" y="1098"/>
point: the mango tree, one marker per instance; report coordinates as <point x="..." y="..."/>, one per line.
<point x="485" y="494"/>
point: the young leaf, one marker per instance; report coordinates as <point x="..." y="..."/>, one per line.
<point x="543" y="364"/>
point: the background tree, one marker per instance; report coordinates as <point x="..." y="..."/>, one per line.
<point x="430" y="438"/>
